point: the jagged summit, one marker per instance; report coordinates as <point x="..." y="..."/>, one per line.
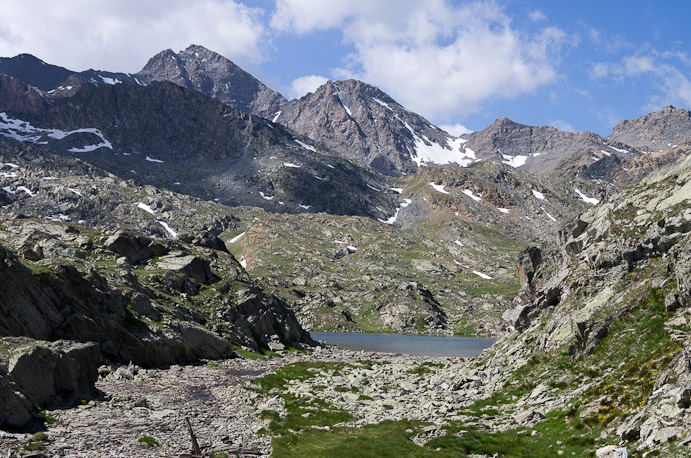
<point x="365" y="124"/>
<point x="536" y="149"/>
<point x="656" y="131"/>
<point x="215" y="76"/>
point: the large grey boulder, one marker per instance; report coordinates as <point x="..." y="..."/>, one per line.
<point x="51" y="374"/>
<point x="135" y="248"/>
<point x="188" y="265"/>
<point x="16" y="409"/>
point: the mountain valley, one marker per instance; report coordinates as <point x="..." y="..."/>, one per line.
<point x="187" y="219"/>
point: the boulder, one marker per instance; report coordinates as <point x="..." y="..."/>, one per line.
<point x="188" y="265"/>
<point x="16" y="409"/>
<point x="51" y="374"/>
<point x="612" y="451"/>
<point x="135" y="248"/>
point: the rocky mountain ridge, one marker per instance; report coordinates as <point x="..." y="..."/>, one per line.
<point x="172" y="137"/>
<point x="657" y="131"/>
<point x="364" y="124"/>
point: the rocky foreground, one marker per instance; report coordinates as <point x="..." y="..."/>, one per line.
<point x="225" y="413"/>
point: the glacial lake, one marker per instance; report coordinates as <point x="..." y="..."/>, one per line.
<point x="406" y="344"/>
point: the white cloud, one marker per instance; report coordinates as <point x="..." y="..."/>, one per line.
<point x="435" y="58"/>
<point x="122" y="35"/>
<point x="673" y="85"/>
<point x="304" y="84"/>
<point x="562" y="125"/>
<point x="455" y="129"/>
<point x="537" y="15"/>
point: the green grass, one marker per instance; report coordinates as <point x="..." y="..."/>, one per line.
<point x="36" y="442"/>
<point x="388" y="439"/>
<point x="557" y="432"/>
<point x="148" y="440"/>
<point x="320" y="412"/>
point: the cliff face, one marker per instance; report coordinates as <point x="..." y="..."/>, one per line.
<point x="607" y="317"/>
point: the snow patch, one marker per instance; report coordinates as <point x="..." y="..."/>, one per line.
<point x="481" y="275"/>
<point x="276" y="115"/>
<point x="438" y="187"/>
<point x="9" y="164"/>
<point x="305" y="145"/>
<point x="606" y="153"/>
<point x="470" y="194"/>
<point x="514" y="161"/>
<point x="236" y="238"/>
<point x="427" y="150"/>
<point x="108" y="80"/>
<point x="26" y="190"/>
<point x="458" y="242"/>
<point x="503" y="210"/>
<point x="290" y="164"/>
<point x="8" y="190"/>
<point x="372" y="187"/>
<point x="145" y="207"/>
<point x="397" y="190"/>
<point x="243" y="262"/>
<point x="306" y="207"/>
<point x="538" y="195"/>
<point x="24" y="132"/>
<point x="382" y="103"/>
<point x="168" y="228"/>
<point x="75" y="191"/>
<point x="150" y="159"/>
<point x="264" y="196"/>
<point x="8" y="175"/>
<point x="549" y="216"/>
<point x="589" y="200"/>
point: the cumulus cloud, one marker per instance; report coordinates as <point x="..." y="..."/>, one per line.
<point x="672" y="83"/>
<point x="122" y="35"/>
<point x="455" y="129"/>
<point x="304" y="84"/>
<point x="435" y="58"/>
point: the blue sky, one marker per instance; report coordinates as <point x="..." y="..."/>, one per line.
<point x="580" y="65"/>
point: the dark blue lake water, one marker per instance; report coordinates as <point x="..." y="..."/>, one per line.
<point x="406" y="344"/>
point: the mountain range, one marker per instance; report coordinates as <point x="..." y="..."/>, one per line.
<point x="189" y="212"/>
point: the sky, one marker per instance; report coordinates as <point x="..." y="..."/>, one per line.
<point x="576" y="65"/>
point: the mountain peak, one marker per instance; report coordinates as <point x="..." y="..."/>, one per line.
<point x="657" y="131"/>
<point x="215" y="76"/>
<point x="33" y="71"/>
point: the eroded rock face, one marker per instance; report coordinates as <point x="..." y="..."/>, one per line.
<point x="51" y="374"/>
